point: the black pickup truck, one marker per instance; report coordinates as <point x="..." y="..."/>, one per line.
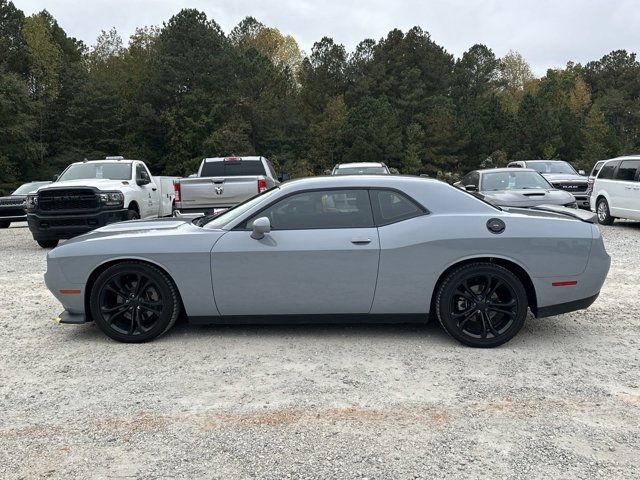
<point x="13" y="207"/>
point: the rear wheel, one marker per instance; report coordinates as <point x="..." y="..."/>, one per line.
<point x="134" y="302"/>
<point x="48" y="243"/>
<point x="132" y="215"/>
<point x="5" y="224"/>
<point x="602" y="209"/>
<point x="482" y="305"/>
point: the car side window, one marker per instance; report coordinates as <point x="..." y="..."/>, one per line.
<point x="319" y="209"/>
<point x="390" y="206"/>
<point x="608" y="171"/>
<point x="627" y="170"/>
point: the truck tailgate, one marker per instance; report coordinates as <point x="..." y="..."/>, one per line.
<point x="210" y="192"/>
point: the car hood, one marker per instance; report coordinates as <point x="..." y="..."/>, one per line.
<point x="564" y="177"/>
<point x="136" y="228"/>
<point x="99" y="183"/>
<point x="528" y="197"/>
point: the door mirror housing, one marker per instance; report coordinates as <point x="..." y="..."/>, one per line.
<point x="143" y="180"/>
<point x="582" y="172"/>
<point x="55" y="177"/>
<point x="471" y="188"/>
<point x="260" y="226"/>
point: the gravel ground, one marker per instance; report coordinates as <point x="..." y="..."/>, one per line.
<point x="561" y="400"/>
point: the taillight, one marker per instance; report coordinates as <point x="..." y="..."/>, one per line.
<point x="176" y="189"/>
<point x="262" y="185"/>
<point x="590" y="183"/>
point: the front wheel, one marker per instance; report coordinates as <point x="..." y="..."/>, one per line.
<point x="482" y="305"/>
<point x="134" y="302"/>
<point x="602" y="209"/>
<point x="132" y="215"/>
<point x="48" y="243"/>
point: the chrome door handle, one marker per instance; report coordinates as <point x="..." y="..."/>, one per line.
<point x="360" y="241"/>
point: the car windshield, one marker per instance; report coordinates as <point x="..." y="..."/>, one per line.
<point x="552" y="167"/>
<point x="513" y="180"/>
<point x="360" y="170"/>
<point x="218" y="221"/>
<point x="101" y="170"/>
<point x="28" y="188"/>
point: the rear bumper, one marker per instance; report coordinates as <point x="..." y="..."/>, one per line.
<point x="58" y="227"/>
<point x="567" y="307"/>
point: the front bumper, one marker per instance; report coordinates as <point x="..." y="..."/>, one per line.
<point x="58" y="227"/>
<point x="582" y="200"/>
<point x="12" y="213"/>
<point x="71" y="318"/>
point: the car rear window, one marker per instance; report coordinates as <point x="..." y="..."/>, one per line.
<point x="608" y="170"/>
<point x="232" y="168"/>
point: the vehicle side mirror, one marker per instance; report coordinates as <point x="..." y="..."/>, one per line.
<point x="582" y="172"/>
<point x="471" y="188"/>
<point x="55" y="177"/>
<point x="260" y="226"/>
<point x="193" y="175"/>
<point x="328" y="172"/>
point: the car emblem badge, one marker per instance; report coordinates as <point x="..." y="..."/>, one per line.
<point x="219" y="190"/>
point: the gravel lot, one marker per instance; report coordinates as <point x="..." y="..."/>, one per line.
<point x="560" y="400"/>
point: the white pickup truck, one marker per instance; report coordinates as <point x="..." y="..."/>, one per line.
<point x="91" y="194"/>
<point x="223" y="182"/>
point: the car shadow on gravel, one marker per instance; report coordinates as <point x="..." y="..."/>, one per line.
<point x="535" y="333"/>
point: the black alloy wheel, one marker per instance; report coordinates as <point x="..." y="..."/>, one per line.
<point x="134" y="302"/>
<point x="482" y="304"/>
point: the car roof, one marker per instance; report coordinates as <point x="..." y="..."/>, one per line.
<point x="624" y="157"/>
<point x="360" y="165"/>
<point x="505" y="169"/>
<point x="222" y="159"/>
<point x="357" y="181"/>
<point x="542" y="160"/>
<point x="106" y="160"/>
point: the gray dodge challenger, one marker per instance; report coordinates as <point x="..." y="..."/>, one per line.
<point x="342" y="248"/>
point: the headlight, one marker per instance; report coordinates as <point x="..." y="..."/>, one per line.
<point x="112" y="198"/>
<point x="31" y="201"/>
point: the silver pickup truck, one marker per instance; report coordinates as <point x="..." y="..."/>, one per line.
<point x="223" y="182"/>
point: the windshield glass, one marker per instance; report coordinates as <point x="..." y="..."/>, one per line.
<point x="28" y="188"/>
<point x="513" y="180"/>
<point x="551" y="167"/>
<point x="106" y="170"/>
<point x="360" y="170"/>
<point x="219" y="221"/>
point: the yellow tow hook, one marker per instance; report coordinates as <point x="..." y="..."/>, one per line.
<point x="57" y="320"/>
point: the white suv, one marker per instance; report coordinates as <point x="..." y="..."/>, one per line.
<point x="616" y="190"/>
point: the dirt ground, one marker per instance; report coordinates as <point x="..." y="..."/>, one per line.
<point x="561" y="400"/>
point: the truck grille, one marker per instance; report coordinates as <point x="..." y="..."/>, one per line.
<point x="11" y="201"/>
<point x="67" y="200"/>
<point x="571" y="187"/>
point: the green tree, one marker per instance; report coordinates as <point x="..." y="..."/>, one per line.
<point x="326" y="135"/>
<point x="414" y="150"/>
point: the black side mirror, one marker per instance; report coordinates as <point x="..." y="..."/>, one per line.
<point x="55" y="177"/>
<point x="143" y="180"/>
<point x="471" y="188"/>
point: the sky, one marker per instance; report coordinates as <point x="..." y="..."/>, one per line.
<point x="547" y="33"/>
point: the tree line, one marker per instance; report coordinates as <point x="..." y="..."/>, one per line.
<point x="186" y="90"/>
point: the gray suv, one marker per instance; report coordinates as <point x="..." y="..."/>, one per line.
<point x="562" y="176"/>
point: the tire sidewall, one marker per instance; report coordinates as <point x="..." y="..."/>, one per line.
<point x="167" y="291"/>
<point x="608" y="220"/>
<point x="453" y="280"/>
<point x="133" y="215"/>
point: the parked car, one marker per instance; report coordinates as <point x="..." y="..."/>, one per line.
<point x="507" y="187"/>
<point x="592" y="176"/>
<point x="223" y="182"/>
<point x="365" y="246"/>
<point x="562" y="176"/>
<point x="616" y="190"/>
<point x="363" y="168"/>
<point x="91" y="194"/>
<point x="13" y="207"/>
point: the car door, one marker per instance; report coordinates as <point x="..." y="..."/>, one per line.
<point x="149" y="195"/>
<point x="628" y="189"/>
<point x="321" y="257"/>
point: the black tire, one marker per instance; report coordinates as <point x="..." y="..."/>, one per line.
<point x="5" y="224"/>
<point x="482" y="305"/>
<point x="134" y="302"/>
<point x="48" y="243"/>
<point x="132" y="215"/>
<point x="603" y="213"/>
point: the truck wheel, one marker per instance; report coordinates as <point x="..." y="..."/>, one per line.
<point x="48" y="243"/>
<point x="5" y="224"/>
<point x="133" y="215"/>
